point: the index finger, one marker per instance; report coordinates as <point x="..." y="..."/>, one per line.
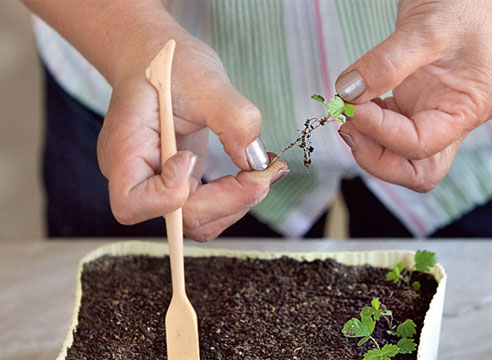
<point x="416" y="137"/>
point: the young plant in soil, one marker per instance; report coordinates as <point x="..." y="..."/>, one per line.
<point x="424" y="260"/>
<point x="247" y="309"/>
<point x="336" y="110"/>
<point x="363" y="328"/>
<point x="370" y="315"/>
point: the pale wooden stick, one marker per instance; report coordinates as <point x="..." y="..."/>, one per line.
<point x="181" y="321"/>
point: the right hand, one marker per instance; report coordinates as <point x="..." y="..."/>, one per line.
<point x="203" y="97"/>
<point x="438" y="64"/>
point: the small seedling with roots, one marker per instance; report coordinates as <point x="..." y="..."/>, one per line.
<point x="336" y="110"/>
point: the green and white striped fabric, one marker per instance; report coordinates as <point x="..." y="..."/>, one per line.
<point x="278" y="53"/>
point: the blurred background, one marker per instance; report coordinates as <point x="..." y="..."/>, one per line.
<point x="21" y="97"/>
<point x="21" y="126"/>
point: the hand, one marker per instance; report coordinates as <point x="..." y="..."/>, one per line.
<point x="203" y="98"/>
<point x="439" y="66"/>
<point x="121" y="38"/>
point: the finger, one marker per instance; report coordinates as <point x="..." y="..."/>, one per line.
<point x="418" y="175"/>
<point x="229" y="115"/>
<point x="230" y="195"/>
<point x="423" y="134"/>
<point x="385" y="66"/>
<point x="238" y="123"/>
<point x="212" y="230"/>
<point x="196" y="143"/>
<point x="138" y="194"/>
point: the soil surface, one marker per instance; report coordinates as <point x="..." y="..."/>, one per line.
<point x="247" y="309"/>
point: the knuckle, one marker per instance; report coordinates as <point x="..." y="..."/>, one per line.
<point x="424" y="184"/>
<point x="467" y="118"/>
<point x="384" y="60"/>
<point x="123" y="214"/>
<point x="191" y="219"/>
<point x="201" y="235"/>
<point x="254" y="194"/>
<point x="422" y="146"/>
<point x="463" y="114"/>
<point x="102" y="151"/>
<point x="180" y="195"/>
<point x="418" y="153"/>
<point x="248" y="119"/>
<point x="251" y="112"/>
<point x="423" y="187"/>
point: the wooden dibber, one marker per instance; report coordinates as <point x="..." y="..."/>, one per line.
<point x="181" y="321"/>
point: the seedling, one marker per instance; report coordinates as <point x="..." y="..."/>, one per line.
<point x="363" y="328"/>
<point x="424" y="260"/>
<point x="336" y="110"/>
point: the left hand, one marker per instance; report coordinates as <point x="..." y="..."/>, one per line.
<point x="438" y="64"/>
<point x="140" y="188"/>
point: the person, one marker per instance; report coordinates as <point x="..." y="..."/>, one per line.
<point x="277" y="53"/>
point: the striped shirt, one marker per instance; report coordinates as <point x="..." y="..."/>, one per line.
<point x="277" y="53"/>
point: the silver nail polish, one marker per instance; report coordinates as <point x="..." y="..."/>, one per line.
<point x="257" y="155"/>
<point x="349" y="140"/>
<point x="280" y="175"/>
<point x="192" y="164"/>
<point x="350" y="86"/>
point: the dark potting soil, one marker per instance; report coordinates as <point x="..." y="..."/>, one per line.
<point x="247" y="309"/>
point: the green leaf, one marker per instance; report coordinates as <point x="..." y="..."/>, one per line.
<point x="386" y="353"/>
<point x="374" y="354"/>
<point x="406" y="346"/>
<point x="393" y="276"/>
<point x="395" y="273"/>
<point x="366" y="311"/>
<point x="368" y="323"/>
<point x="317" y="97"/>
<point x="416" y="286"/>
<point x="349" y="110"/>
<point x="340" y="119"/>
<point x="363" y="340"/>
<point x="353" y="328"/>
<point x="406" y="329"/>
<point x="424" y="260"/>
<point x="335" y="106"/>
<point x="389" y="350"/>
<point x="356" y="328"/>
<point x="369" y="311"/>
<point x="375" y="303"/>
<point x="391" y="332"/>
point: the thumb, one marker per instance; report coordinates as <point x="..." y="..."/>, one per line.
<point x="385" y="66"/>
<point x="236" y="196"/>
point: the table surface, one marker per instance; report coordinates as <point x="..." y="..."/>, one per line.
<point x="37" y="286"/>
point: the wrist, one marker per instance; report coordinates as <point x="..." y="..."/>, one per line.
<point x="136" y="45"/>
<point x="117" y="37"/>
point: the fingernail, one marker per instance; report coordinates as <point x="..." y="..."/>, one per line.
<point x="257" y="155"/>
<point x="192" y="164"/>
<point x="350" y="86"/>
<point x="349" y="140"/>
<point x="280" y="175"/>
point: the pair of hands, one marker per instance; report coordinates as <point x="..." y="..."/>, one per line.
<point x="437" y="62"/>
